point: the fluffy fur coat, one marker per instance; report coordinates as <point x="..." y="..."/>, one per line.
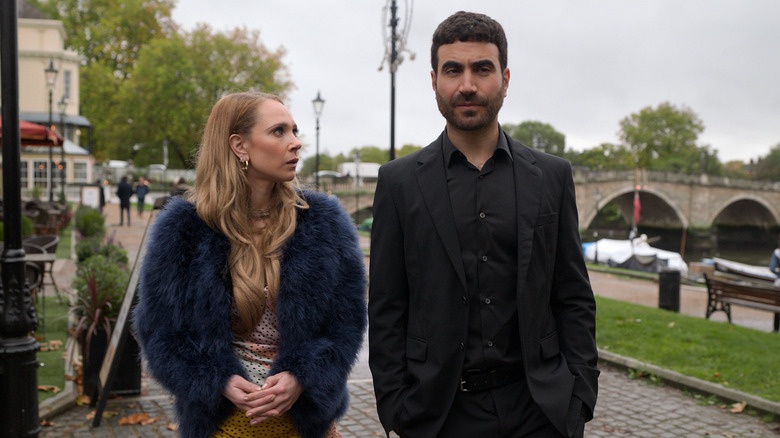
<point x="182" y="320"/>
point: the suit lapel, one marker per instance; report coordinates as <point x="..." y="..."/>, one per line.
<point x="528" y="190"/>
<point x="432" y="182"/>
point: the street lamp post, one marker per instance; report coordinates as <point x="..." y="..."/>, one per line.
<point x="357" y="186"/>
<point x="51" y="76"/>
<point x="62" y="105"/>
<point x="597" y="196"/>
<point x="318" y="103"/>
<point x="18" y="318"/>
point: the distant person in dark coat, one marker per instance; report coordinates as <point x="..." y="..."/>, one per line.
<point x="101" y="195"/>
<point x="124" y="191"/>
<point x="141" y="189"/>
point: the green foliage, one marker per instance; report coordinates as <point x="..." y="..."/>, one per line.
<point x="158" y="80"/>
<point x="733" y="356"/>
<point x="100" y="285"/>
<point x="406" y="150"/>
<point x="27" y="228"/>
<point x="606" y="156"/>
<point x="36" y="192"/>
<point x="89" y="222"/>
<point x="768" y="168"/>
<point x="538" y="135"/>
<point x="86" y="247"/>
<point x="664" y="138"/>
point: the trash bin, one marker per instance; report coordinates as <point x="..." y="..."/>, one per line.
<point x="669" y="289"/>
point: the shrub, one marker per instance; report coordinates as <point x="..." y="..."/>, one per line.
<point x="87" y="247"/>
<point x="114" y="253"/>
<point x="27" y="228"/>
<point x="89" y="222"/>
<point x="100" y="287"/>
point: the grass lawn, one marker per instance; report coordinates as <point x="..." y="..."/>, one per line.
<point x="52" y="370"/>
<point x="736" y="357"/>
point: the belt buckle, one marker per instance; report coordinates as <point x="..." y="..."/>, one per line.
<point x="462" y="386"/>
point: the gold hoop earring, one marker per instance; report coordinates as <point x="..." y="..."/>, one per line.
<point x="245" y="165"/>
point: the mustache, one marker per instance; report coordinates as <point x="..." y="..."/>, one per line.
<point x="469" y="98"/>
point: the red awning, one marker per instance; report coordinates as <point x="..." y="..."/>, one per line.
<point x="33" y="134"/>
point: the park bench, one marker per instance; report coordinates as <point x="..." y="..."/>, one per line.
<point x="722" y="293"/>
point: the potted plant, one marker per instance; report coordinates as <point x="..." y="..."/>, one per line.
<point x="100" y="284"/>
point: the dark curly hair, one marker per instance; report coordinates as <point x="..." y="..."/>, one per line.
<point x="468" y="26"/>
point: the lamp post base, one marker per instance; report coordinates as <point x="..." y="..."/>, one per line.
<point x="19" y="387"/>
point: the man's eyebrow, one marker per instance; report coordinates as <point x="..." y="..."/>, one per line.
<point x="482" y="63"/>
<point x="451" y="64"/>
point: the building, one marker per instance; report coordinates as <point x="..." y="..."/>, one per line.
<point x="41" y="45"/>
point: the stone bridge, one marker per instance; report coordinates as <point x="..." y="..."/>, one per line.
<point x="672" y="200"/>
<point x="668" y="200"/>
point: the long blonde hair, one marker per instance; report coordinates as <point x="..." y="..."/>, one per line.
<point x="221" y="196"/>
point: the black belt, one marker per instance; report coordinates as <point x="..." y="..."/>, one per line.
<point x="478" y="380"/>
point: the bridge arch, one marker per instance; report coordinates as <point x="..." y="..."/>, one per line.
<point x="656" y="206"/>
<point x="744" y="207"/>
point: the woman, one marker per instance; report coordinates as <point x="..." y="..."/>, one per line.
<point x="252" y="299"/>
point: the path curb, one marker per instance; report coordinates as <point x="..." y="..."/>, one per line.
<point x="694" y="384"/>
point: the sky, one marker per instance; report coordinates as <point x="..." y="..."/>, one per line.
<point x="580" y="66"/>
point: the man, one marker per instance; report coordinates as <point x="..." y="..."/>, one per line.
<point x="481" y="314"/>
<point x="124" y="191"/>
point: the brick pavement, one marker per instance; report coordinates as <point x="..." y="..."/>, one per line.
<point x="627" y="407"/>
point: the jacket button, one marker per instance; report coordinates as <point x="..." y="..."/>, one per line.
<point x="462" y="346"/>
<point x="465" y="301"/>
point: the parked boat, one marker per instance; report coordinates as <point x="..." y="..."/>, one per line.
<point x="749" y="272"/>
<point x="636" y="254"/>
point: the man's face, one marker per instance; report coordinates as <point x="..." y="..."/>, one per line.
<point x="469" y="84"/>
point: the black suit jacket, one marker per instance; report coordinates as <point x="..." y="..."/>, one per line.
<point x="418" y="318"/>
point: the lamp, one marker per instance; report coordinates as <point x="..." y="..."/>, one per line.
<point x="318" y="103"/>
<point x="51" y="76"/>
<point x="62" y="105"/>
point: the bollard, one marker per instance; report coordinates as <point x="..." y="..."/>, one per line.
<point x="669" y="289"/>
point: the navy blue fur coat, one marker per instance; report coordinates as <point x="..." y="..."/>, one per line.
<point x="182" y="319"/>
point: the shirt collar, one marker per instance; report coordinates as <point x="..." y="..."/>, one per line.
<point x="450" y="149"/>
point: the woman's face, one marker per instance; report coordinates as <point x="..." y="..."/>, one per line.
<point x="272" y="145"/>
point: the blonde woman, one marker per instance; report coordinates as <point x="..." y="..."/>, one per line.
<point x="252" y="295"/>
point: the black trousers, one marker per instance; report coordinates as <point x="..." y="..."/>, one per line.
<point x="505" y="412"/>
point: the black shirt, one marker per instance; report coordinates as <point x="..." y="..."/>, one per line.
<point x="484" y="206"/>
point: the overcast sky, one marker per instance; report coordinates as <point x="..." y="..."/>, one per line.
<point x="580" y="66"/>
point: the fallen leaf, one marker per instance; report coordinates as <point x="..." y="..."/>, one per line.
<point x="47" y="423"/>
<point x="737" y="408"/>
<point x="671" y="324"/>
<point x="82" y="400"/>
<point x="142" y="419"/>
<point x="173" y="426"/>
<point x="717" y="374"/>
<point x="49" y="388"/>
<point x="91" y="415"/>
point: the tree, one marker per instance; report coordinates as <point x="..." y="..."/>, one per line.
<point x="110" y="32"/>
<point x="406" y="150"/>
<point x="664" y="138"/>
<point x="606" y="156"/>
<point x="768" y="168"/>
<point x="738" y="169"/>
<point x="541" y="136"/>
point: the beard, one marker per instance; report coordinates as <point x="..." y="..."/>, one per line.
<point x="471" y="120"/>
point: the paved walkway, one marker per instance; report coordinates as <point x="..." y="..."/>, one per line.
<point x="627" y="407"/>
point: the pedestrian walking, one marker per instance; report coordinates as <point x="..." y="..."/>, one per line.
<point x="481" y="314"/>
<point x="141" y="189"/>
<point x="124" y="191"/>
